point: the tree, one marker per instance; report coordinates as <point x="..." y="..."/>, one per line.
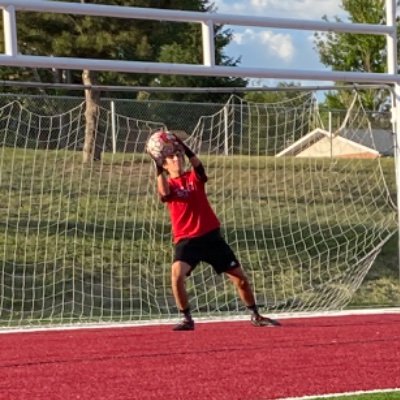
<point x="119" y="39"/>
<point x="355" y="52"/>
<point x="183" y="53"/>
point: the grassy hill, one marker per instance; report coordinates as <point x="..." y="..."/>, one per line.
<point x="93" y="240"/>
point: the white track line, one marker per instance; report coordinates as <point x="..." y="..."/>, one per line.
<point x="231" y="318"/>
<point x="333" y="395"/>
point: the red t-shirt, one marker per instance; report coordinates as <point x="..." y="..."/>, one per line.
<point x="190" y="211"/>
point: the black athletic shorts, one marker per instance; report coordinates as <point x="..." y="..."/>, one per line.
<point x="210" y="248"/>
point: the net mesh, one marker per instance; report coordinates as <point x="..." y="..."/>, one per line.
<point x="306" y="211"/>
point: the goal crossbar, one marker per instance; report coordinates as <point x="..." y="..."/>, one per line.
<point x="190" y="70"/>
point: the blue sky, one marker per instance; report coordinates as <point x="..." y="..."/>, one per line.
<point x="278" y="48"/>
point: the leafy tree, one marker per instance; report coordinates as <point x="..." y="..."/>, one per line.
<point x="355" y="52"/>
<point x="119" y="39"/>
<point x="285" y="92"/>
<point x="183" y="53"/>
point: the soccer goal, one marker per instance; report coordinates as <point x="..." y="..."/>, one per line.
<point x="307" y="205"/>
<point x="306" y="200"/>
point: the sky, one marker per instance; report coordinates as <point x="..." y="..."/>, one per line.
<point x="278" y="48"/>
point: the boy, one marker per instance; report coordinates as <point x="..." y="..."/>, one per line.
<point x="196" y="234"/>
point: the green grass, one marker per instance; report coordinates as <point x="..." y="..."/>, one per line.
<point x="93" y="241"/>
<point x="372" y="396"/>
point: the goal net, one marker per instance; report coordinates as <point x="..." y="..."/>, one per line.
<point x="305" y="206"/>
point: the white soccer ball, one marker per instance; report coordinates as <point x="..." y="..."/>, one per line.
<point x="161" y="144"/>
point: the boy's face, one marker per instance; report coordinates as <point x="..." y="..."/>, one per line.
<point x="174" y="164"/>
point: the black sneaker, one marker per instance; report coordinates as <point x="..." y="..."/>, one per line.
<point x="259" y="320"/>
<point x="184" y="325"/>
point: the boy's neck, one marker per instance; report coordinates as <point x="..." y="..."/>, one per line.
<point x="176" y="174"/>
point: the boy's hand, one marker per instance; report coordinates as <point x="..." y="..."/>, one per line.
<point x="159" y="168"/>
<point x="189" y="153"/>
<point x="179" y="145"/>
<point x="177" y="138"/>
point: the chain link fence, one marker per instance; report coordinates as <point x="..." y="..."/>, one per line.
<point x="175" y="115"/>
<point x="123" y="125"/>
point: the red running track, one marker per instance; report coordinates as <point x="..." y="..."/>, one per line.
<point x="216" y="361"/>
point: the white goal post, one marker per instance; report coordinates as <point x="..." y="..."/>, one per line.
<point x="56" y="241"/>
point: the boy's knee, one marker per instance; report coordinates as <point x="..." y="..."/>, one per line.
<point x="179" y="270"/>
<point x="243" y="283"/>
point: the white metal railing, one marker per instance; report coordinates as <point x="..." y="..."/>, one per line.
<point x="13" y="58"/>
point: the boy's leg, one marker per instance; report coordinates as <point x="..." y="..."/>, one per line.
<point x="178" y="276"/>
<point x="242" y="284"/>
<point x="179" y="272"/>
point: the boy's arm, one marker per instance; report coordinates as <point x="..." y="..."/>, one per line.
<point x="194" y="161"/>
<point x="162" y="184"/>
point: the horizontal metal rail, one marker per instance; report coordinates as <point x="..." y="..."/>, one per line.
<point x="207" y="20"/>
<point x="194" y="70"/>
<point x="190" y="16"/>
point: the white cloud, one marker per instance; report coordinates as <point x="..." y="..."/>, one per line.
<point x="280" y="44"/>
<point x="277" y="48"/>
<point x="300" y="9"/>
<point x="276" y="44"/>
<point x="310" y="9"/>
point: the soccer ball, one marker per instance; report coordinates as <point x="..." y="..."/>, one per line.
<point x="161" y="144"/>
